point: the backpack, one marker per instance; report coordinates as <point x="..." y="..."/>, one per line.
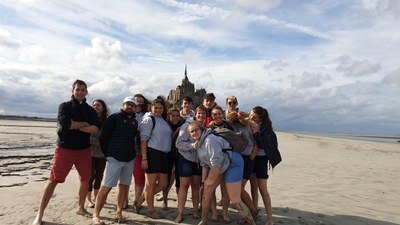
<point x="237" y="140"/>
<point x="154" y="122"/>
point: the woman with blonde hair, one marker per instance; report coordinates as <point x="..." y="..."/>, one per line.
<point x="241" y="122"/>
<point x="220" y="165"/>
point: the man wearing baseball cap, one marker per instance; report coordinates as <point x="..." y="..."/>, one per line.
<point x="117" y="141"/>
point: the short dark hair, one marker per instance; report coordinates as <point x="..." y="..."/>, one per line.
<point x="78" y="82"/>
<point x="209" y="96"/>
<point x="187" y="99"/>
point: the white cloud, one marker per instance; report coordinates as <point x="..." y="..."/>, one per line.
<point x="392" y="78"/>
<point x="7" y="40"/>
<point x="103" y="54"/>
<point x="355" y="68"/>
<point x="256" y="50"/>
<point x="309" y="80"/>
<point x="31" y="53"/>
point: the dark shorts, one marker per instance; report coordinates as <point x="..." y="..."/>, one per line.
<point x="248" y="167"/>
<point x="261" y="167"/>
<point x="157" y="161"/>
<point x="188" y="168"/>
<point x="63" y="161"/>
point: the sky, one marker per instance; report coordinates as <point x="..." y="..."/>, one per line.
<point x="317" y="65"/>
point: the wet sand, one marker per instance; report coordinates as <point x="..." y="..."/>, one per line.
<point x="321" y="180"/>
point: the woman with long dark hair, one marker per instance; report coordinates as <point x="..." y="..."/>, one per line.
<point x="268" y="153"/>
<point x="98" y="158"/>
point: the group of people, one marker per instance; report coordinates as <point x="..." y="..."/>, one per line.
<point x="160" y="144"/>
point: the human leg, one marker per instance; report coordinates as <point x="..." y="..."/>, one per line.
<point x="99" y="204"/>
<point x="234" y="192"/>
<point x="224" y="202"/>
<point x="62" y="163"/>
<point x="182" y="196"/>
<point x="139" y="178"/>
<point x="151" y="182"/>
<point x="262" y="184"/>
<point x="83" y="164"/>
<point x="121" y="198"/>
<point x="84" y="185"/>
<point x="195" y="185"/>
<point x="208" y="197"/>
<point x="44" y="201"/>
<point x="254" y="190"/>
<point x="246" y="199"/>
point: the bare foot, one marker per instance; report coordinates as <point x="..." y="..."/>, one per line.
<point x="270" y="223"/>
<point x="83" y="212"/>
<point x="37" y="221"/>
<point x="96" y="221"/>
<point x="202" y="222"/>
<point x="179" y="218"/>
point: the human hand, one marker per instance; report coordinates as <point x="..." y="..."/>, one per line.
<point x="144" y="164"/>
<point x="254" y="126"/>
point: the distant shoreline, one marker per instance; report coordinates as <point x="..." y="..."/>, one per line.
<point x="362" y="137"/>
<point x="366" y="137"/>
<point x="28" y="118"/>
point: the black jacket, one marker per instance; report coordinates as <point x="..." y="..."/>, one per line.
<point x="76" y="111"/>
<point x="266" y="139"/>
<point x="117" y="138"/>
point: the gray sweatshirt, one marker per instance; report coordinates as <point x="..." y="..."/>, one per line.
<point x="210" y="151"/>
<point x="184" y="144"/>
<point x="161" y="137"/>
<point x="246" y="130"/>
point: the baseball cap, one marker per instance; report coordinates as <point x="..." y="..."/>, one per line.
<point x="130" y="99"/>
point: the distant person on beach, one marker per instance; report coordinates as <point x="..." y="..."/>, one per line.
<point x="76" y="122"/>
<point x="117" y="141"/>
<point x="267" y="154"/>
<point x="220" y="165"/>
<point x="98" y="159"/>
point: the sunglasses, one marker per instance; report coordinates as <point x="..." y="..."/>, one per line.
<point x="194" y="130"/>
<point x="232" y="103"/>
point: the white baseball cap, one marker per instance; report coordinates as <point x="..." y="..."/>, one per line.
<point x="130" y="99"/>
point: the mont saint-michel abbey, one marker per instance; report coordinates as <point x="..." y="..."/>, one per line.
<point x="186" y="89"/>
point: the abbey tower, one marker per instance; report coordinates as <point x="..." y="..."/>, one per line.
<point x="186" y="89"/>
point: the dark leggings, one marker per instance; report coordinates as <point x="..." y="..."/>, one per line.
<point x="98" y="166"/>
<point x="173" y="161"/>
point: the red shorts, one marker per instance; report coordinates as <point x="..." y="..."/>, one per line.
<point x="138" y="172"/>
<point x="63" y="161"/>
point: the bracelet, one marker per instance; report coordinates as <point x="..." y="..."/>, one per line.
<point x="144" y="159"/>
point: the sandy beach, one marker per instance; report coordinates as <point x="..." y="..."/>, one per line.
<point x="321" y="180"/>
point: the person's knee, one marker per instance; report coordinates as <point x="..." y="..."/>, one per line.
<point x="184" y="186"/>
